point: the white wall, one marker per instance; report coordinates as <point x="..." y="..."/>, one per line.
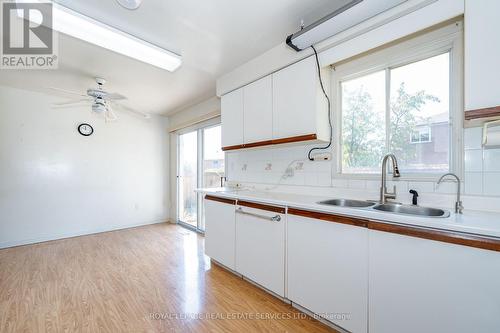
<point x="207" y="109"/>
<point x="55" y="183"/>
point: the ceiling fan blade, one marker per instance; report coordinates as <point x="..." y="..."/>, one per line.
<point x="114" y="97"/>
<point x="68" y="91"/>
<point x="126" y="108"/>
<point x="69" y="106"/>
<point x="109" y="115"/>
<point x="70" y="103"/>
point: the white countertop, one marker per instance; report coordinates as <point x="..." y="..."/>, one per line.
<point x="473" y="222"/>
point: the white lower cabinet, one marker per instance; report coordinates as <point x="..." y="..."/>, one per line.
<point x="360" y="279"/>
<point x="260" y="247"/>
<point x="327" y="270"/>
<point x="220" y="232"/>
<point x="418" y="285"/>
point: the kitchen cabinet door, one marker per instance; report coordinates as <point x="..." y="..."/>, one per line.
<point x="260" y="247"/>
<point x="295" y="100"/>
<point x="258" y="110"/>
<point x="482" y="47"/>
<point x="232" y="118"/>
<point x="327" y="270"/>
<point x="220" y="232"/>
<point x="418" y="285"/>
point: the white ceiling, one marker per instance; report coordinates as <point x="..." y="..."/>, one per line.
<point x="213" y="37"/>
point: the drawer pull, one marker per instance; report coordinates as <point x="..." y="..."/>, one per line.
<point x="275" y="218"/>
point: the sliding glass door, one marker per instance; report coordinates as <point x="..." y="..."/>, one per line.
<point x="200" y="164"/>
<point x="187" y="179"/>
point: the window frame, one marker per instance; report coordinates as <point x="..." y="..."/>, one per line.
<point x="429" y="133"/>
<point x="446" y="38"/>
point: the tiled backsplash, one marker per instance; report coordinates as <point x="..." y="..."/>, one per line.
<point x="482" y="166"/>
<point x="268" y="166"/>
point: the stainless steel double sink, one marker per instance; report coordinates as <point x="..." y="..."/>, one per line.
<point x="394" y="208"/>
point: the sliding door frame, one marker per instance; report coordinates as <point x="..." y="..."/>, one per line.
<point x="199" y="128"/>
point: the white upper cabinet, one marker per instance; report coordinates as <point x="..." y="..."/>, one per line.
<point x="298" y="106"/>
<point x="284" y="105"/>
<point x="258" y="110"/>
<point x="232" y="118"/>
<point x="482" y="50"/>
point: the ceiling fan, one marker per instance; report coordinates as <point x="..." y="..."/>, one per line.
<point x="101" y="101"/>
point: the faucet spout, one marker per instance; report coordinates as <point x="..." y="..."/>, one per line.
<point x="384" y="194"/>
<point x="458" y="204"/>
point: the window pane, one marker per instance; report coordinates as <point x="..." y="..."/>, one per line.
<point x="213" y="157"/>
<point x="188" y="168"/>
<point x="420" y="129"/>
<point x="363" y="123"/>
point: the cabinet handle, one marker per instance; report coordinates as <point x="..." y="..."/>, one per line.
<point x="275" y="218"/>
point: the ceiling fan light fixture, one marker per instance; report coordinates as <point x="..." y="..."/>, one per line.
<point x="130" y="4"/>
<point x="98" y="108"/>
<point x="82" y="27"/>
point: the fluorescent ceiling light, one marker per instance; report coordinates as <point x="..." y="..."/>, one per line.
<point x="354" y="12"/>
<point x="79" y="26"/>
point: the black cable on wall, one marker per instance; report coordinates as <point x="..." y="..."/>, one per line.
<point x="329" y="109"/>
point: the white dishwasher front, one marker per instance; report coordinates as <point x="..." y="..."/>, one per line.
<point x="260" y="245"/>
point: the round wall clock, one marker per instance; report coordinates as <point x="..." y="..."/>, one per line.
<point x="85" y="129"/>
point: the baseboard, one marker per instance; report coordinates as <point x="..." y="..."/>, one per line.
<point x="4" y="245"/>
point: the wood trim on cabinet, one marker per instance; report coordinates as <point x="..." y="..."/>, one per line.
<point x="262" y="206"/>
<point x="477" y="241"/>
<point x="483" y="113"/>
<point x="329" y="217"/>
<point x="299" y="138"/>
<point x="219" y="199"/>
<point x="453" y="237"/>
<point x="258" y="144"/>
<point x="233" y="147"/>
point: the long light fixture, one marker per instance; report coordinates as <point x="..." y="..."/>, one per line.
<point x="352" y="13"/>
<point x="79" y="26"/>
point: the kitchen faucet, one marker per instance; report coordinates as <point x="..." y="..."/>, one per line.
<point x="384" y="195"/>
<point x="458" y="204"/>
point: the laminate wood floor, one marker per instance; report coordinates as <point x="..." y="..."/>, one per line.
<point x="148" y="279"/>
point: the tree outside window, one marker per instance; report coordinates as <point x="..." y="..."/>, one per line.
<point x="376" y="121"/>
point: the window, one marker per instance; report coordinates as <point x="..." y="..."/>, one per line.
<point x="399" y="101"/>
<point x="421" y="134"/>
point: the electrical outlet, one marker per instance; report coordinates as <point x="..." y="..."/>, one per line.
<point x="322" y="157"/>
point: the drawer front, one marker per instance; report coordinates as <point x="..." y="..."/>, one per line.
<point x="220" y="232"/>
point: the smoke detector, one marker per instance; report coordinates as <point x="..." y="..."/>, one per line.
<point x="130" y="4"/>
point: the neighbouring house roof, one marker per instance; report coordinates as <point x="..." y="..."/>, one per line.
<point x="436" y="119"/>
